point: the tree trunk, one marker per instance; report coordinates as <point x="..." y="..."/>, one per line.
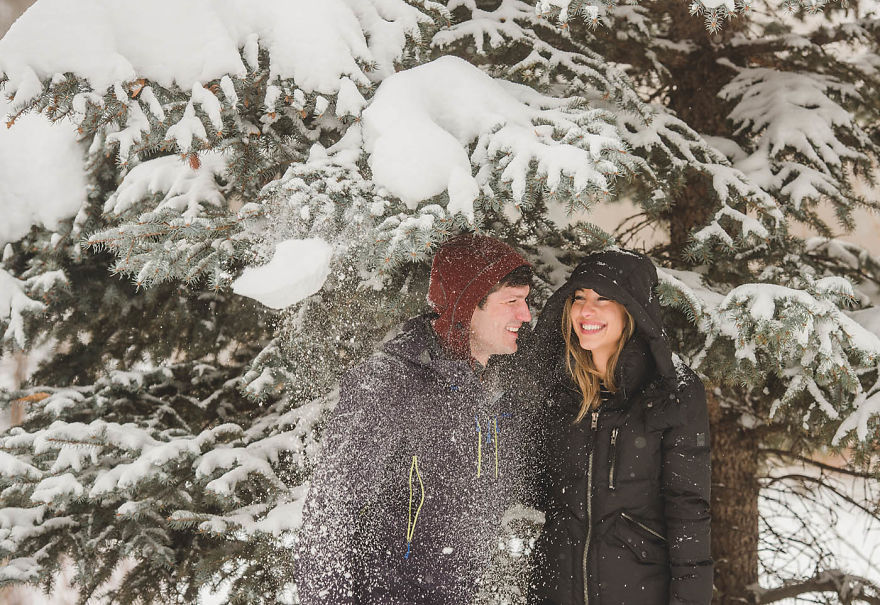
<point x="734" y="507"/>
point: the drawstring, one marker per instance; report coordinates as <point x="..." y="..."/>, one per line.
<point x="490" y="437"/>
<point x="479" y="445"/>
<point x="492" y="434"/>
<point x="496" y="446"/>
<point x="412" y="520"/>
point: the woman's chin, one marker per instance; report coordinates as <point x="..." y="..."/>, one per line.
<point x="589" y="342"/>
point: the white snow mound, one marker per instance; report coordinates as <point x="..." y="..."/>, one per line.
<point x="421" y="121"/>
<point x="188" y="43"/>
<point x="42" y="181"/>
<point x="298" y="269"/>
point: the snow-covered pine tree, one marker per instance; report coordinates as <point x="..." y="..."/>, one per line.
<point x="175" y="422"/>
<point x="789" y="98"/>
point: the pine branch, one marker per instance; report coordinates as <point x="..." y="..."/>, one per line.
<point x="849" y="588"/>
<point x="821" y="465"/>
<point x="820" y="481"/>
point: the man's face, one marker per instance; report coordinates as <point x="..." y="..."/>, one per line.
<point x="494" y="328"/>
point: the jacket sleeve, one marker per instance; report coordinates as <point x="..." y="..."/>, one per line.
<point x="686" y="482"/>
<point x="349" y="478"/>
<point x="531" y="456"/>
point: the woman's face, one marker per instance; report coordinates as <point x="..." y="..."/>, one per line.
<point x="598" y="323"/>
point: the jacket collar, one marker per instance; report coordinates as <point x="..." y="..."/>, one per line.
<point x="418" y="344"/>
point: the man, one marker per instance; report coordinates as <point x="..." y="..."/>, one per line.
<point x="417" y="463"/>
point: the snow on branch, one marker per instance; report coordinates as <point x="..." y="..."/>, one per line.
<point x="555" y="59"/>
<point x="804" y="335"/>
<point x="421" y="121"/>
<point x="291" y="433"/>
<point x="15" y="304"/>
<point x="714" y="12"/>
<point x="72" y="471"/>
<point x="12" y="467"/>
<point x="489" y="30"/>
<point x="867" y="409"/>
<point x="183" y="189"/>
<point x="801" y="335"/>
<point x="848" y="254"/>
<point x="747" y="215"/>
<point x="562" y="11"/>
<point x="183" y="93"/>
<point x="109" y="42"/>
<point x="803" y="137"/>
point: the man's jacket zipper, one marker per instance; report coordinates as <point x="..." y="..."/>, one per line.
<point x="594" y="426"/>
<point x="614" y="432"/>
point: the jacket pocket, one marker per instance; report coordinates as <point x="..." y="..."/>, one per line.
<point x="647" y="545"/>
<point x="639" y="525"/>
<point x="612" y="463"/>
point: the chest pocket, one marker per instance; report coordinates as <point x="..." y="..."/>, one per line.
<point x="635" y="444"/>
<point x="633" y="455"/>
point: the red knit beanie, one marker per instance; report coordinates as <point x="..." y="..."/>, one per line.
<point x="464" y="270"/>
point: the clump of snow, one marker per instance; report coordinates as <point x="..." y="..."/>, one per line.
<point x="14" y="304"/>
<point x="188" y="127"/>
<point x="298" y="269"/>
<point x="285" y="516"/>
<point x="183" y="43"/>
<point x="185" y="188"/>
<point x="42" y="181"/>
<point x="51" y="488"/>
<point x="10" y="466"/>
<point x="350" y="101"/>
<point x="421" y="121"/>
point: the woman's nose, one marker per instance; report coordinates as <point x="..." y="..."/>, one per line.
<point x="586" y="310"/>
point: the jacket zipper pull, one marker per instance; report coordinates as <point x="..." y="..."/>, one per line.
<point x="594" y="423"/>
<point x="614" y="432"/>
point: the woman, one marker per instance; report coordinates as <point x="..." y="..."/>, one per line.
<point x="624" y="463"/>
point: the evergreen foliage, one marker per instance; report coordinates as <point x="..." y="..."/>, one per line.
<point x="174" y="423"/>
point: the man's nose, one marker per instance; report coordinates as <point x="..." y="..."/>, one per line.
<point x="522" y="312"/>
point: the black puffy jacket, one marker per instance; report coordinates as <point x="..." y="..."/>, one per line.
<point x="626" y="490"/>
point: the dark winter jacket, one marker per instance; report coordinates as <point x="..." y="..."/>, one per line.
<point x="415" y="473"/>
<point x="626" y="490"/>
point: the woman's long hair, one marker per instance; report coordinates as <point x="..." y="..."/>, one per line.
<point x="580" y="361"/>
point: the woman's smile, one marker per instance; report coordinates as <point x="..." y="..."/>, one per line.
<point x="591" y="329"/>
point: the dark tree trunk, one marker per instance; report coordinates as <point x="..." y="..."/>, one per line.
<point x="693" y="83"/>
<point x="734" y="507"/>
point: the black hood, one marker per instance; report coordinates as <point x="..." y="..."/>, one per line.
<point x="630" y="279"/>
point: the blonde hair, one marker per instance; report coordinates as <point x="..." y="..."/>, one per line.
<point x="580" y="362"/>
